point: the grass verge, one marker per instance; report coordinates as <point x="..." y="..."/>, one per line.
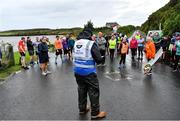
<point x="4" y="73"/>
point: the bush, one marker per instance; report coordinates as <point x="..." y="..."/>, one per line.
<point x="127" y="29"/>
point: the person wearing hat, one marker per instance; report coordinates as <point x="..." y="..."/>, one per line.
<point x="85" y="56"/>
<point x="150" y="50"/>
<point x="177" y="57"/>
<point x="102" y="46"/>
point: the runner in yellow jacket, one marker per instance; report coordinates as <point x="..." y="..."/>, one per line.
<point x="112" y="46"/>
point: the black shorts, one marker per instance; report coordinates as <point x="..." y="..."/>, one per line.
<point x="43" y="58"/>
<point x="66" y="51"/>
<point x="22" y="54"/>
<point x="59" y="52"/>
<point x="31" y="52"/>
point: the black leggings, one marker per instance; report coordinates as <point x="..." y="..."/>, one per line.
<point x="133" y="52"/>
<point x="173" y="56"/>
<point x="176" y="61"/>
<point x="112" y="53"/>
<point x="123" y="59"/>
<point x="71" y="49"/>
<point x="140" y="52"/>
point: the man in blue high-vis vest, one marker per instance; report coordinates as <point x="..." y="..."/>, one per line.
<point x="86" y="54"/>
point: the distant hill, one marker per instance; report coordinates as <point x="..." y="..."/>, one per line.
<point x="41" y="31"/>
<point x="47" y="31"/>
<point x="168" y="16"/>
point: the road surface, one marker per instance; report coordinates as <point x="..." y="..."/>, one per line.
<point x="124" y="94"/>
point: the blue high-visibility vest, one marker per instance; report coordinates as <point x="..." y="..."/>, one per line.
<point x="83" y="62"/>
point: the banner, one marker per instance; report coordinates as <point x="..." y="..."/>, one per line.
<point x="157" y="56"/>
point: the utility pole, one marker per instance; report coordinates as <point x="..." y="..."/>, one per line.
<point x="160" y="26"/>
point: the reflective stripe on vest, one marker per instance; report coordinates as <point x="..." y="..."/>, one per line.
<point x="84" y="66"/>
<point x="82" y="58"/>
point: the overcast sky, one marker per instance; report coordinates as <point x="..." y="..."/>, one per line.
<point x="26" y="14"/>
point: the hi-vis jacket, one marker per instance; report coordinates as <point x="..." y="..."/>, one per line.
<point x="84" y="64"/>
<point x="150" y="49"/>
<point x="124" y="48"/>
<point x="112" y="44"/>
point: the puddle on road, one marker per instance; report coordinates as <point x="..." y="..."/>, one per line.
<point x="117" y="76"/>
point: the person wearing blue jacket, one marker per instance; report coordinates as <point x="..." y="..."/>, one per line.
<point x="85" y="55"/>
<point x="71" y="42"/>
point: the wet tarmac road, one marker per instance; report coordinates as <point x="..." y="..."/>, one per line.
<point x="124" y="94"/>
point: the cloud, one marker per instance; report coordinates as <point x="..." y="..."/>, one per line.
<point x="22" y="14"/>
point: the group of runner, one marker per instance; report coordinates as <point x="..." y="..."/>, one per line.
<point x="139" y="44"/>
<point x="108" y="45"/>
<point x="39" y="51"/>
<point x="90" y="50"/>
<point x="64" y="46"/>
<point x="170" y="47"/>
<point x="149" y="45"/>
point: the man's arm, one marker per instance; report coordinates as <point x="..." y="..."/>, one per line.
<point x="96" y="54"/>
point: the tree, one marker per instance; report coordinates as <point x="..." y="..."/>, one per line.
<point x="168" y="16"/>
<point x="89" y="25"/>
<point x="172" y="26"/>
<point x="127" y="29"/>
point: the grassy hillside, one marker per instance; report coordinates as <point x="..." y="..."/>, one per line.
<point x="168" y="16"/>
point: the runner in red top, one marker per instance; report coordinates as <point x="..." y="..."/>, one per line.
<point x="22" y="51"/>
